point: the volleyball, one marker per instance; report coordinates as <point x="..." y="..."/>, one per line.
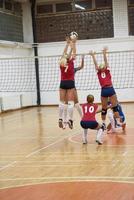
<point x="73" y="35"/>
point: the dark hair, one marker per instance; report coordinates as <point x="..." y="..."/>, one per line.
<point x="90" y="98"/>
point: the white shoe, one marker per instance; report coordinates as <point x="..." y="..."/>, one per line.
<point x="112" y="130"/>
<point x="84" y="140"/>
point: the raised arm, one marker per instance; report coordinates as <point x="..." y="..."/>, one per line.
<point x="99" y="109"/>
<point x="105" y="49"/>
<point x="67" y="45"/>
<point x="81" y="64"/>
<point x="73" y="48"/>
<point x="92" y="54"/>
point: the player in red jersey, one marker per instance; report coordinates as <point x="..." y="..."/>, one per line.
<point x="76" y="101"/>
<point x="107" y="90"/>
<point x="67" y="83"/>
<point x="88" y="120"/>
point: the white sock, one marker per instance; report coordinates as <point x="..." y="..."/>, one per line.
<point x="61" y="110"/>
<point x="70" y="109"/>
<point x="79" y="109"/>
<point x="99" y="136"/>
<point x="84" y="136"/>
<point x="111" y="118"/>
<point x="65" y="113"/>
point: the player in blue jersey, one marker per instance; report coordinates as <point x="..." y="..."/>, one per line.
<point x="113" y="122"/>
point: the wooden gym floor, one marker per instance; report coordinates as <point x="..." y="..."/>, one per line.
<point x="39" y="161"/>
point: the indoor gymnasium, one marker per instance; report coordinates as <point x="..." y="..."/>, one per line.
<point x="66" y="99"/>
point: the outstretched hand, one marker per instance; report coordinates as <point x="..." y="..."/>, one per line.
<point x="105" y="49"/>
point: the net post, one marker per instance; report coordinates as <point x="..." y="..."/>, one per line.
<point x="33" y="3"/>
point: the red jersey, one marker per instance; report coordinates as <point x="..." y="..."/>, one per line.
<point x="67" y="72"/>
<point x="89" y="111"/>
<point x="104" y="77"/>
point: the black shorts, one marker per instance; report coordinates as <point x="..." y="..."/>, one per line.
<point x="107" y="92"/>
<point x="89" y="124"/>
<point x="67" y="84"/>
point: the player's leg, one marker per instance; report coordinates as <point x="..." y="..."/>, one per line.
<point x="65" y="117"/>
<point x="61" y="106"/>
<point x="85" y="125"/>
<point x="70" y="98"/>
<point x="112" y="121"/>
<point x="114" y="102"/>
<point x="104" y="101"/>
<point x="100" y="133"/>
<point x="84" y="136"/>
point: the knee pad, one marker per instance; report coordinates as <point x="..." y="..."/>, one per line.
<point x="104" y="111"/>
<point x="115" y="109"/>
<point x="70" y="104"/>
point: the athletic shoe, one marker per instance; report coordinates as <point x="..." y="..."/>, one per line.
<point x="111" y="131"/>
<point x="84" y="140"/>
<point x="70" y="124"/>
<point x="60" y="123"/>
<point x="123" y="126"/>
<point x="99" y="143"/>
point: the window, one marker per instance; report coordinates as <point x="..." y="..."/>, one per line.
<point x="1" y="3"/>
<point x="103" y="3"/>
<point x="84" y="4"/>
<point x="8" y="5"/>
<point x="41" y="9"/>
<point x="131" y="16"/>
<point x="63" y="7"/>
<point x="131" y="2"/>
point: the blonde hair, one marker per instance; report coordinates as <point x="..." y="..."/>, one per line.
<point x="102" y="66"/>
<point x="63" y="60"/>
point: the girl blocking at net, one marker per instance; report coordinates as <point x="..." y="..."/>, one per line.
<point x="76" y="101"/>
<point x="107" y="89"/>
<point x="88" y="120"/>
<point x="67" y="83"/>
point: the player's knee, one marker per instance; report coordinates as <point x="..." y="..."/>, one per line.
<point x="70" y="104"/>
<point x="115" y="109"/>
<point x="104" y="111"/>
<point x="61" y="104"/>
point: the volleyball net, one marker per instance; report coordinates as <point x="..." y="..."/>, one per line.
<point x="18" y="74"/>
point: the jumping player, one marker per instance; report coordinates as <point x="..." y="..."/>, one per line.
<point x="88" y="120"/>
<point x="107" y="90"/>
<point x="67" y="83"/>
<point x="76" y="101"/>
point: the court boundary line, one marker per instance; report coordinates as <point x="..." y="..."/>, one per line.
<point x="69" y="181"/>
<point x="71" y="177"/>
